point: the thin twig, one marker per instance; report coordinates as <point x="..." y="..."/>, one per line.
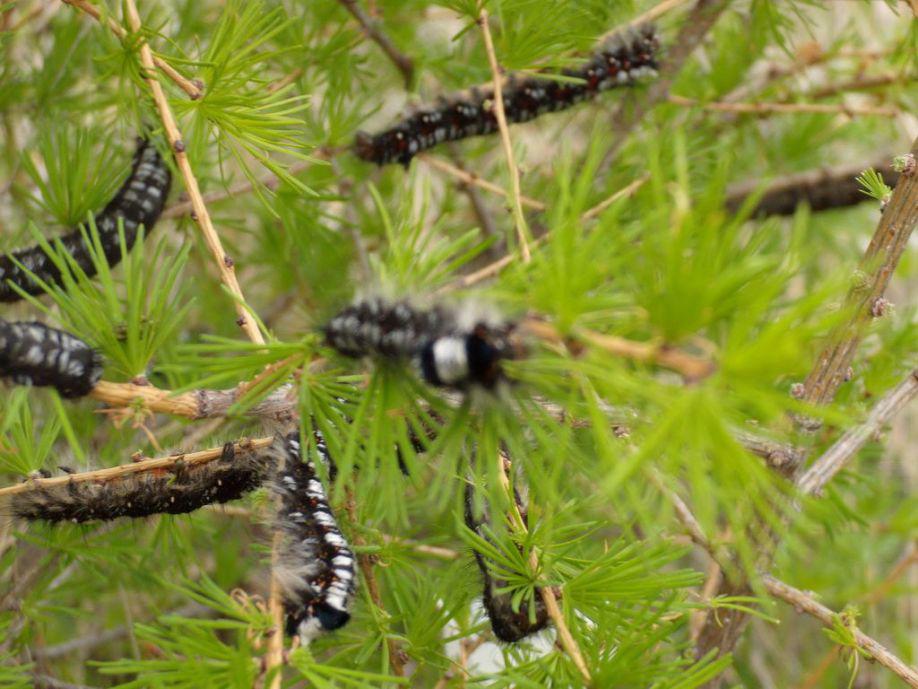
<point x="224" y="263"/>
<point x="860" y="83"/>
<point x="49" y="682"/>
<point x="691" y="367"/>
<point x="770" y="108"/>
<point x="522" y="229"/>
<point x="805" y="603"/>
<point x="835" y="458"/>
<point x="193" y="90"/>
<point x="370" y="27"/>
<point x="566" y="639"/>
<point x="473" y="179"/>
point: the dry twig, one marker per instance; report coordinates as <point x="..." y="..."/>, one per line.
<point x="522" y="229"/>
<point x="370" y="27"/>
<point x="771" y="108"/>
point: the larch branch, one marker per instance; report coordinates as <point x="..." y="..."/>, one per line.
<point x="772" y="108"/>
<point x="371" y="28"/>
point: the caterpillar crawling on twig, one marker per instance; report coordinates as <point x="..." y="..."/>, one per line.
<point x="509" y="622"/>
<point x="316" y="569"/>
<point x="139" y="201"/>
<point x="446" y="352"/>
<point x="105" y="495"/>
<point x="622" y="60"/>
<point x="34" y="354"/>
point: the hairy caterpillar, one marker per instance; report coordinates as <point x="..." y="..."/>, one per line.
<point x="317" y="569"/>
<point x="509" y="624"/>
<point x="139" y="201"/>
<point x="445" y="352"/>
<point x="34" y="354"/>
<point x="177" y="489"/>
<point x="622" y="60"/>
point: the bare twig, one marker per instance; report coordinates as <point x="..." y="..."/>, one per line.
<point x="821" y="189"/>
<point x="860" y="83"/>
<point x="805" y="603"/>
<point x="693" y="368"/>
<point x="771" y="108"/>
<point x="880" y="260"/>
<point x="471" y="178"/>
<point x="189" y="87"/>
<point x="195" y="404"/>
<point x="832" y="461"/>
<point x="224" y="263"/>
<point x="49" y="682"/>
<point x="522" y="228"/>
<point x="371" y="28"/>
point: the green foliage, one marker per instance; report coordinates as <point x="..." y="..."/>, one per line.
<point x="285" y="88"/>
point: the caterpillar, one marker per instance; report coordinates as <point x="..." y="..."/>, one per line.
<point x="445" y="352"/>
<point x="178" y="489"/>
<point x="316" y="569"/>
<point x="139" y="201"/>
<point x="622" y="60"/>
<point x="508" y="624"/>
<point x="35" y="354"/>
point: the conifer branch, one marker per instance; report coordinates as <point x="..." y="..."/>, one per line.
<point x="371" y="28"/>
<point x="471" y="178"/>
<point x="192" y="89"/>
<point x="772" y="108"/>
<point x="522" y="229"/>
<point x="829" y="619"/>
<point x="880" y="260"/>
<point x="834" y="459"/>
<point x="225" y="264"/>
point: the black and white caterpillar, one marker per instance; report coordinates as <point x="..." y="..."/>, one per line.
<point x="316" y="569"/>
<point x="139" y="201"/>
<point x="34" y="354"/>
<point x="446" y="352"/>
<point x="509" y="623"/>
<point x="622" y="60"/>
<point x="177" y="489"/>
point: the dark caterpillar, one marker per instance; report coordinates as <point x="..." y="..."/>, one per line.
<point x="177" y="490"/>
<point x="139" y="201"/>
<point x="34" y="354"/>
<point x="445" y="353"/>
<point x="509" y="625"/>
<point x="317" y="569"/>
<point x="622" y="60"/>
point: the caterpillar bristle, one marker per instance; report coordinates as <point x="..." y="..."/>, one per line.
<point x="139" y="201"/>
